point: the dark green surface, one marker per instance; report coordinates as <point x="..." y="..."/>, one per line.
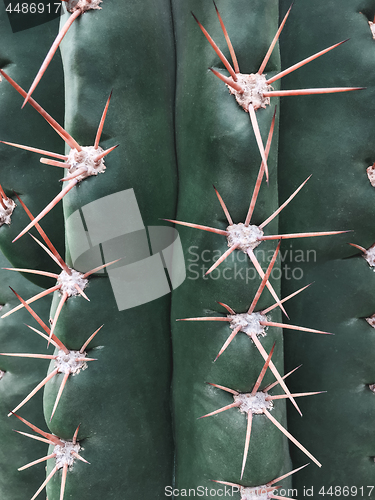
<point x="216" y="145"/>
<point x="21" y="376"/>
<point x="333" y="138"/>
<point x="20" y="56"/>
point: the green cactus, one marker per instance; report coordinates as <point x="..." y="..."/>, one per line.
<point x="234" y="357"/>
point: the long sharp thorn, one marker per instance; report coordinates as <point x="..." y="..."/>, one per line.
<point x="99" y="268"/>
<point x="53" y="163"/>
<point x="285" y="299"/>
<point x="229" y="43"/>
<point x="274" y="370"/>
<point x="329" y="90"/>
<point x="45" y="238"/>
<point x="301" y="235"/>
<point x="224" y="207"/>
<point x="259" y="269"/>
<point x="286" y="475"/>
<point x="302" y="63"/>
<point x="51" y="53"/>
<point x="57" y="314"/>
<point x="222" y="258"/>
<point x="63" y="478"/>
<point x="228" y="341"/>
<point x="198" y="226"/>
<point x="280" y="498"/>
<point x="106" y="152"/>
<point x="272" y="46"/>
<point x="82" y="350"/>
<point x="51" y="474"/>
<point x="295" y="395"/>
<point x="264" y="280"/>
<point x="59" y="345"/>
<point x="36" y="150"/>
<point x="101" y="124"/>
<point x="59" y="394"/>
<point x="34" y="391"/>
<point x="258" y="137"/>
<point x="31" y="311"/>
<point x="226" y="483"/>
<point x="43" y="459"/>
<point x="58" y="128"/>
<point x="269" y="387"/>
<point x="76" y="174"/>
<point x="222" y="57"/>
<point x="2" y="203"/>
<point x="247" y="441"/>
<point x="36" y="356"/>
<point x="32" y="271"/>
<point x="47" y="435"/>
<point x="53" y="257"/>
<point x="48" y="208"/>
<point x="37" y="438"/>
<point x="260" y="174"/>
<point x="86" y="359"/>
<point x="289" y="436"/>
<point x="228" y="407"/>
<point x="33" y="299"/>
<point x="228" y="81"/>
<point x="79" y="457"/>
<point x="293" y="327"/>
<point x="229" y="309"/>
<point x="81" y="292"/>
<point x="76" y="434"/>
<point x="226" y="389"/>
<point x="271" y="217"/>
<point x="359" y="247"/>
<point x="2" y="192"/>
<point x="263" y="372"/>
<point x="205" y="318"/>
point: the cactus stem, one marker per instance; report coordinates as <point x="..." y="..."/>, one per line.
<point x="58" y="128"/>
<point x="302" y="63"/>
<point x="247" y="441"/>
<point x="37" y="356"/>
<point x="301" y="235"/>
<point x="222" y="57"/>
<point x="47" y="161"/>
<point x="265" y="311"/>
<point x="262" y="373"/>
<point x="274" y="41"/>
<point x="229" y="43"/>
<point x="228" y="81"/>
<point x="32" y="271"/>
<point x="264" y="280"/>
<point x="329" y="90"/>
<point x="226" y="389"/>
<point x="271" y="217"/>
<point x="48" y="208"/>
<point x="224" y="408"/>
<point x="59" y="394"/>
<point x="228" y="341"/>
<point x="224" y="207"/>
<point x="43" y="459"/>
<point x="36" y="150"/>
<point x="229" y="309"/>
<point x="101" y="123"/>
<point x="222" y="258"/>
<point x="35" y="390"/>
<point x="254" y="123"/>
<point x="260" y="174"/>
<point x="51" y="53"/>
<point x="289" y="436"/>
<point x="293" y="327"/>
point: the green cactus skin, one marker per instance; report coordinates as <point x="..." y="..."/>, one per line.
<point x="216" y="145"/>
<point x="123" y="399"/>
<point x="21" y="376"/>
<point x="337" y="148"/>
<point x="21" y="171"/>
